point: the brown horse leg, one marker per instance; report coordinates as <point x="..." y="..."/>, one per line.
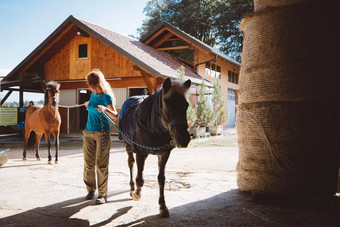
<point x="48" y="142"/>
<point x="56" y="139"/>
<point x="162" y="160"/>
<point x="37" y="142"/>
<point x="140" y="158"/>
<point x="27" y="135"/>
<point x="131" y="161"/>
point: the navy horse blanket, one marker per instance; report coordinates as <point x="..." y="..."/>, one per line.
<point x="140" y="120"/>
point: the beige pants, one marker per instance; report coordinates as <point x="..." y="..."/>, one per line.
<point x="95" y="158"/>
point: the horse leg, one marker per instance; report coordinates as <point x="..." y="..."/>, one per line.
<point x="162" y="160"/>
<point x="140" y="158"/>
<point x="131" y="161"/>
<point x="37" y="142"/>
<point x="48" y="141"/>
<point x="27" y="135"/>
<point x="56" y="139"/>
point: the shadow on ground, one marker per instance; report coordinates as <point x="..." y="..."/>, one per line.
<point x="59" y="214"/>
<point x="231" y="208"/>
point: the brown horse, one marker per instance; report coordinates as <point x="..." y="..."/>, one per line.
<point x="159" y="121"/>
<point x="45" y="120"/>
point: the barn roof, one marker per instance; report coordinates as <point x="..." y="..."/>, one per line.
<point x="152" y="60"/>
<point x="192" y="39"/>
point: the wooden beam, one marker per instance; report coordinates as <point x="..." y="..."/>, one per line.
<point x="5" y="97"/>
<point x="148" y="83"/>
<point x="155" y="35"/>
<point x="146" y="77"/>
<point x="173" y="39"/>
<point x="174" y="48"/>
<point x="122" y="83"/>
<point x="162" y="40"/>
<point x="186" y="40"/>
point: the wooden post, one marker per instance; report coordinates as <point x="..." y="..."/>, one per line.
<point x="21" y="97"/>
<point x="146" y="77"/>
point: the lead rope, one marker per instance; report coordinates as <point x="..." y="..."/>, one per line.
<point x="164" y="147"/>
<point x="102" y="130"/>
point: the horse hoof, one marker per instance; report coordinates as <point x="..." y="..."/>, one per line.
<point x="164" y="213"/>
<point x="49" y="162"/>
<point x="56" y="162"/>
<point x="135" y="197"/>
<point x="131" y="194"/>
<point x="24" y="159"/>
<point x="38" y="159"/>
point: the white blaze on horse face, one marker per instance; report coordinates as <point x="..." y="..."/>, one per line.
<point x="54" y="99"/>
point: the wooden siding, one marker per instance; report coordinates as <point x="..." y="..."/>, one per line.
<point x="80" y="67"/>
<point x="65" y="65"/>
<point x="58" y="67"/>
<point x="110" y="62"/>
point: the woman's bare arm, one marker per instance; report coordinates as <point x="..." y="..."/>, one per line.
<point x="110" y="110"/>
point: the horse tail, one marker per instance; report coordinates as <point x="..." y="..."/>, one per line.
<point x="31" y="141"/>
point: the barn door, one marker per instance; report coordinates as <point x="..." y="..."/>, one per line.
<point x="231" y="108"/>
<point x="83" y="96"/>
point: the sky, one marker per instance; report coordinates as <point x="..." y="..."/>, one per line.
<point x="25" y="24"/>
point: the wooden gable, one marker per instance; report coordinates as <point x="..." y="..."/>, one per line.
<point x="65" y="65"/>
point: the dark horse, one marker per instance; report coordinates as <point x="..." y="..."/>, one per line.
<point x="157" y="121"/>
<point x="45" y="120"/>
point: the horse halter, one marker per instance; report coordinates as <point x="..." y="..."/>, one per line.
<point x="54" y="98"/>
<point x="177" y="121"/>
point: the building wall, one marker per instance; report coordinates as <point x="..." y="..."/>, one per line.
<point x="65" y="65"/>
<point x="225" y="67"/>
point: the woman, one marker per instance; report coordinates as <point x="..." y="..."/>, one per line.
<point x="96" y="158"/>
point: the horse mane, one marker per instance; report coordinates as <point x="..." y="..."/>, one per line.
<point x="149" y="113"/>
<point x="50" y="85"/>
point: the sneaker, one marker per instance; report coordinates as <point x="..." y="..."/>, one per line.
<point x="101" y="200"/>
<point x="90" y="195"/>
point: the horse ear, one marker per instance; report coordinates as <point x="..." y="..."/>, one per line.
<point x="57" y="86"/>
<point x="44" y="86"/>
<point x="167" y="85"/>
<point x="187" y="83"/>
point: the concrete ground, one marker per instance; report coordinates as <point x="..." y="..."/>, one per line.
<point x="201" y="190"/>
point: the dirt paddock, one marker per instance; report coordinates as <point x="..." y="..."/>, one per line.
<point x="201" y="190"/>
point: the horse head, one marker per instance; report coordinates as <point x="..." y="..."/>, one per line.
<point x="174" y="111"/>
<point x="52" y="94"/>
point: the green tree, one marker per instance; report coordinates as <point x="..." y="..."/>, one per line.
<point x="215" y="22"/>
<point x="230" y="37"/>
<point x="191" y="115"/>
<point x="203" y="110"/>
<point x="220" y="115"/>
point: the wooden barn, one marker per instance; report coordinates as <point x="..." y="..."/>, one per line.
<point x="201" y="58"/>
<point x="131" y="66"/>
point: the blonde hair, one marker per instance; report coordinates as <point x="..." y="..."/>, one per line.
<point x="96" y="79"/>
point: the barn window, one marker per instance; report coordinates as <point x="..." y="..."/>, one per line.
<point x="207" y="69"/>
<point x="232" y="77"/>
<point x="82" y="51"/>
<point x="218" y="72"/>
<point x="212" y="70"/>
